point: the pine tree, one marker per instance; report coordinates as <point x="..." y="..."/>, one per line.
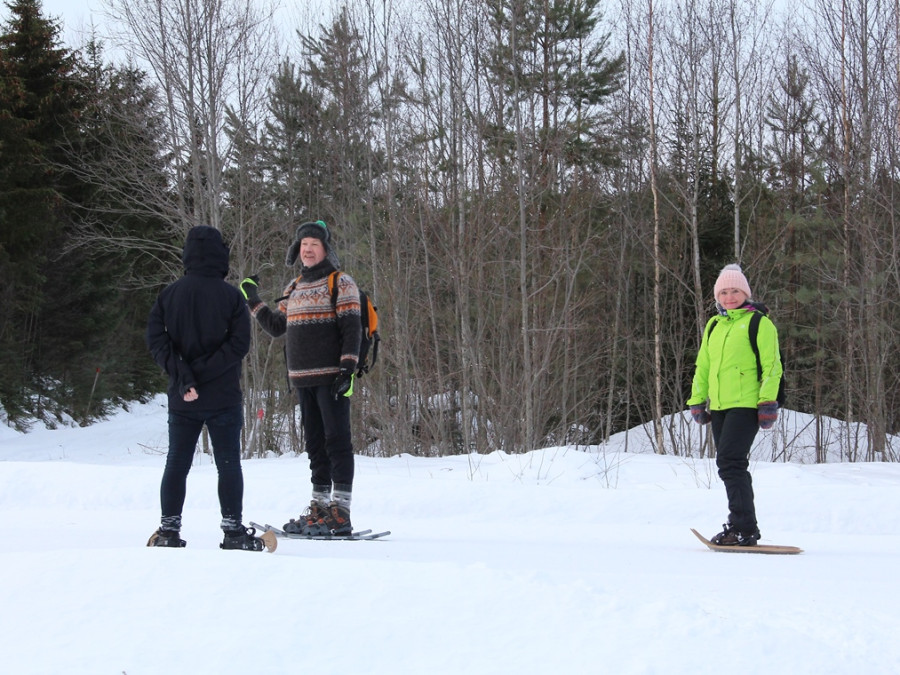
<point x="71" y="328"/>
<point x="292" y="132"/>
<point x="346" y="161"/>
<point x="121" y="228"/>
<point x="38" y="109"/>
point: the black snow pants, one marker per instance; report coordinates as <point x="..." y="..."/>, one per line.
<point x="733" y="432"/>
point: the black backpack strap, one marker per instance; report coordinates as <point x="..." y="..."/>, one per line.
<point x="289" y="290"/>
<point x="376" y="340"/>
<point x="753" y="331"/>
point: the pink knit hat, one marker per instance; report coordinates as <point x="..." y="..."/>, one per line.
<point x="732" y="277"/>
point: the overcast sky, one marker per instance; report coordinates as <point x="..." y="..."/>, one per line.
<point x="78" y="16"/>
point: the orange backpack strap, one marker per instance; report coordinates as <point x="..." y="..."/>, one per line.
<point x="333" y="287"/>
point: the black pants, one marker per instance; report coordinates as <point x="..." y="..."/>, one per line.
<point x="733" y="431"/>
<point x="225" y="434"/>
<point x="326" y="428"/>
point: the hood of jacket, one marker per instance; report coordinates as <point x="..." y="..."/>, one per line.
<point x="205" y="253"/>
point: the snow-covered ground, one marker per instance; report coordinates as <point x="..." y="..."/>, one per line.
<point x="557" y="561"/>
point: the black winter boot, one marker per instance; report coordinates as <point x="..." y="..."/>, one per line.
<point x="242" y="540"/>
<point x="166" y="538"/>
<point x="729" y="536"/>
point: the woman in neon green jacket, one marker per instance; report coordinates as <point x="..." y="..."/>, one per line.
<point x="740" y="400"/>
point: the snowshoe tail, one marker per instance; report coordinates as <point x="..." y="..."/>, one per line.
<point x="270" y="541"/>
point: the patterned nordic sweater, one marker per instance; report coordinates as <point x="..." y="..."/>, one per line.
<point x="320" y="339"/>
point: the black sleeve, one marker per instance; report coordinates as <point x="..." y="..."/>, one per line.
<point x="274" y="322"/>
<point x="164" y="352"/>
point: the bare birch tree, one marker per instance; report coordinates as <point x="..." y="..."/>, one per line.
<point x="204" y="55"/>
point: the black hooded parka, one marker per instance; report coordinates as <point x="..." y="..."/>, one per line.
<point x="199" y="328"/>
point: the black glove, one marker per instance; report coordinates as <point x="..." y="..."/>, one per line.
<point x="700" y="414"/>
<point x="766" y="414"/>
<point x="249" y="290"/>
<point x="343" y="384"/>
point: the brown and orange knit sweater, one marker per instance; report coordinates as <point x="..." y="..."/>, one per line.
<point x="321" y="338"/>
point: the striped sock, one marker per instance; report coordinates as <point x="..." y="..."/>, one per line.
<point x="231" y="524"/>
<point x="342" y="495"/>
<point x="170" y="523"/>
<point x="321" y="494"/>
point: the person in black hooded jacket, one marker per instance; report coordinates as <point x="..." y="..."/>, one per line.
<point x="199" y="332"/>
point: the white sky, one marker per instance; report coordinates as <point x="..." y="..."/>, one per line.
<point x="76" y="17"/>
<point x="71" y="11"/>
<point x="79" y="16"/>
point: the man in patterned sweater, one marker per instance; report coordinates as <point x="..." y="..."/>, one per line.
<point x="323" y="334"/>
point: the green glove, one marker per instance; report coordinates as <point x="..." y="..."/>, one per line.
<point x="248" y="290"/>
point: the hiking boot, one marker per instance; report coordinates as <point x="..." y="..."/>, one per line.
<point x="307" y="520"/>
<point x="335" y="520"/>
<point x="166" y="538"/>
<point x="729" y="536"/>
<point x="243" y="539"/>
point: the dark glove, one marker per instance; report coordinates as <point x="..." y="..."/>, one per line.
<point x="767" y="413"/>
<point x="343" y="384"/>
<point x="249" y="290"/>
<point x="700" y="414"/>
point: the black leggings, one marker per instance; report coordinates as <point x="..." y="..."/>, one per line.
<point x="733" y="431"/>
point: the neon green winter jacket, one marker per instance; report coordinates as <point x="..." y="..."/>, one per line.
<point x="726" y="365"/>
